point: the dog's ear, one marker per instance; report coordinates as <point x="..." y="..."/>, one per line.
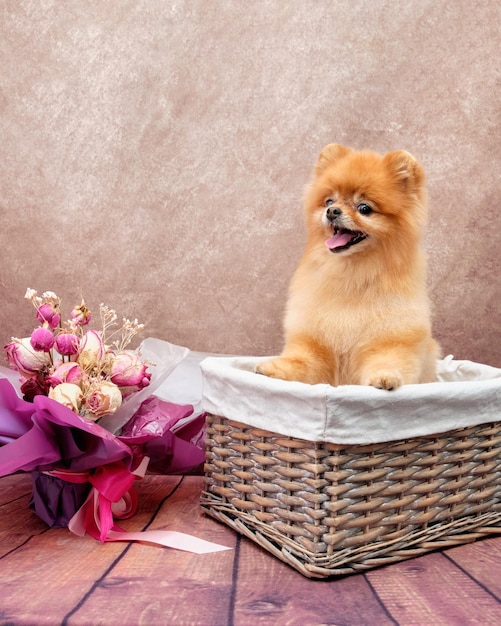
<point x="405" y="169"/>
<point x="330" y="154"/>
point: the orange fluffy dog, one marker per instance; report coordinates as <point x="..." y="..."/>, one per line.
<point x="358" y="312"/>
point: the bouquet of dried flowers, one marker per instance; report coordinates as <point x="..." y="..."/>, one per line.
<point x="89" y="371"/>
<point x="88" y="425"/>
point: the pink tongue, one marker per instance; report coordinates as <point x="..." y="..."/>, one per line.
<point x="338" y="240"/>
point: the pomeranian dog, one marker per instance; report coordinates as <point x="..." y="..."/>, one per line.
<point x="358" y="311"/>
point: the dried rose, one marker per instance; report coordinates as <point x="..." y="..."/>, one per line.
<point x="23" y="358"/>
<point x="129" y="372"/>
<point x="42" y="339"/>
<point x="36" y="386"/>
<point x="69" y="372"/>
<point x="68" y="394"/>
<point x="67" y="343"/>
<point x="81" y="315"/>
<point x="103" y="398"/>
<point x="48" y="313"/>
<point x="91" y="350"/>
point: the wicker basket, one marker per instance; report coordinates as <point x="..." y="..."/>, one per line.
<point x="330" y="510"/>
<point x="333" y="509"/>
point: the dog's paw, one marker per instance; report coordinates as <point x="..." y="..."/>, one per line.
<point x="390" y="379"/>
<point x="277" y="368"/>
<point x="268" y="368"/>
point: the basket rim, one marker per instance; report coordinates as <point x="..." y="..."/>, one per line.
<point x="322" y="413"/>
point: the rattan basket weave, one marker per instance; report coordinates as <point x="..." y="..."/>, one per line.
<point x="329" y="509"/>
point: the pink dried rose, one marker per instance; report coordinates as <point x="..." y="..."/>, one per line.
<point x="81" y="315"/>
<point x="22" y="357"/>
<point x="129" y="372"/>
<point x="42" y="339"/>
<point x="46" y="313"/>
<point x="91" y="350"/>
<point x="69" y="372"/>
<point x="67" y="394"/>
<point x="67" y="344"/>
<point x="103" y="398"/>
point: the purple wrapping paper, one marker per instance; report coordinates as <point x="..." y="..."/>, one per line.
<point x="45" y="435"/>
<point x="178" y="452"/>
<point x="55" y="500"/>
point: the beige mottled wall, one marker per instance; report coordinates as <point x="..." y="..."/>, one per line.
<point x="154" y="153"/>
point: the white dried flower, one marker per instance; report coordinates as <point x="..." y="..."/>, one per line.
<point x="50" y="297"/>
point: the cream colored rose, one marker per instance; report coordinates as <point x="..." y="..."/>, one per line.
<point x="68" y="394"/>
<point x="103" y="398"/>
<point x="22" y="357"/>
<point x="91" y="350"/>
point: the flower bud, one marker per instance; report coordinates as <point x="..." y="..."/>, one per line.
<point x="69" y="372"/>
<point x="104" y="398"/>
<point x="67" y="394"/>
<point x="47" y="313"/>
<point x="81" y="315"/>
<point x="42" y="339"/>
<point x="129" y="372"/>
<point x="67" y="343"/>
<point x="91" y="350"/>
<point x="23" y="358"/>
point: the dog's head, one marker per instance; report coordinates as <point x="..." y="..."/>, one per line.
<point x="363" y="201"/>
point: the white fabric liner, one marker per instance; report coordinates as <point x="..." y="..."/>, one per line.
<point x="466" y="394"/>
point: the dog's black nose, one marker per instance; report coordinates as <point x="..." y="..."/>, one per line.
<point x="333" y="212"/>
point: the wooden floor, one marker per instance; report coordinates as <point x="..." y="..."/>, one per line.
<point x="49" y="576"/>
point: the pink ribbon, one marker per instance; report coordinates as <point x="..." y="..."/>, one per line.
<point x="112" y="496"/>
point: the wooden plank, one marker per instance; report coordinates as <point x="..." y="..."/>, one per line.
<point x="44" y="578"/>
<point x="59" y="565"/>
<point x="17" y="522"/>
<point x="481" y="560"/>
<point x="162" y="586"/>
<point x="14" y="486"/>
<point x="270" y="592"/>
<point x="432" y="590"/>
<point x="17" y="525"/>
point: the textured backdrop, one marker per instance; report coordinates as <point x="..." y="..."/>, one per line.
<point x="154" y="154"/>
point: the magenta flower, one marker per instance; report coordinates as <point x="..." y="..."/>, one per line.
<point x="69" y="372"/>
<point x="129" y="372"/>
<point x="47" y="313"/>
<point x="67" y="343"/>
<point x="42" y="339"/>
<point x="23" y="358"/>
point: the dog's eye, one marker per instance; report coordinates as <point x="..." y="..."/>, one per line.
<point x="364" y="209"/>
<point x="329" y="202"/>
